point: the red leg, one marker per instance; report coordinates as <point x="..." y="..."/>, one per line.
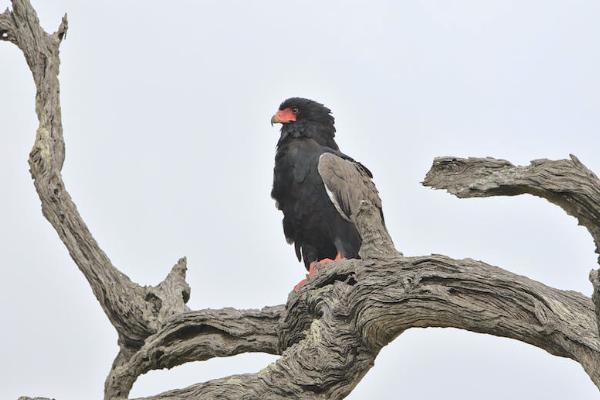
<point x="299" y="285"/>
<point x="312" y="269"/>
<point x="338" y="257"/>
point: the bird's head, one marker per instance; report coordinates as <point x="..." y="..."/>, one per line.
<point x="305" y="118"/>
<point x="296" y="109"/>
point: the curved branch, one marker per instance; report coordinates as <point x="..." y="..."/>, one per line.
<point x="198" y="336"/>
<point x="436" y="291"/>
<point x="336" y="325"/>
<point x="331" y="331"/>
<point x="334" y="328"/>
<point x="135" y="311"/>
<point x="33" y="398"/>
<point x="567" y="183"/>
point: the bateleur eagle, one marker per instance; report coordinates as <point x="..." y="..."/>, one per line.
<point x="316" y="186"/>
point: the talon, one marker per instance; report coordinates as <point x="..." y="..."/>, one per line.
<point x="299" y="285"/>
<point x="326" y="261"/>
<point x="338" y="257"/>
<point x="312" y="269"/>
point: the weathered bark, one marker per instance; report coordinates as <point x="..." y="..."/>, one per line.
<point x="199" y="336"/>
<point x="567" y="183"/>
<point x="134" y="311"/>
<point x="335" y="327"/>
<point x="33" y="398"/>
<point x="330" y="332"/>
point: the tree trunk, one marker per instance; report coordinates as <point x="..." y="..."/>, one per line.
<point x="329" y="333"/>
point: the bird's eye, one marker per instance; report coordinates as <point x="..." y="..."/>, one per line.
<point x="295" y="110"/>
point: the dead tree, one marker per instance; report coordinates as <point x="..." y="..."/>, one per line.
<point x="329" y="333"/>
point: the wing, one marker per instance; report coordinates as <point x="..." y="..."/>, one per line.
<point x="347" y="183"/>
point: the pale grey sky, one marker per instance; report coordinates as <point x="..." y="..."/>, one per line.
<point x="166" y="108"/>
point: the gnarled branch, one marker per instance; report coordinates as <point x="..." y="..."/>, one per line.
<point x="135" y="311"/>
<point x="336" y="325"/>
<point x="198" y="336"/>
<point x="567" y="183"/>
<point x="330" y="332"/>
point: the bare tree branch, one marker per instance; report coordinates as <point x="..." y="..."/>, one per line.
<point x="330" y="332"/>
<point x="7" y="27"/>
<point x="337" y="324"/>
<point x="376" y="241"/>
<point x="199" y="336"/>
<point x="136" y="312"/>
<point x="567" y="183"/>
<point x="33" y="398"/>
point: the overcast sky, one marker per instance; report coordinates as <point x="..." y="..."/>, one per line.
<point x="166" y="109"/>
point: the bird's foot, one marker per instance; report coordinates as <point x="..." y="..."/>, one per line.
<point x="312" y="270"/>
<point x="299" y="285"/>
<point x="338" y="257"/>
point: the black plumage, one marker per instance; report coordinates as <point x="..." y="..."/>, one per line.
<point x="317" y="187"/>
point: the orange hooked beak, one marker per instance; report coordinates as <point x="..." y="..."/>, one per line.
<point x="283" y="117"/>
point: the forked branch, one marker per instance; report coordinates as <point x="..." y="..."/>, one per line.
<point x="330" y="332"/>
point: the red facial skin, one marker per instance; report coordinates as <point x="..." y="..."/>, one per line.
<point x="284" y="116"/>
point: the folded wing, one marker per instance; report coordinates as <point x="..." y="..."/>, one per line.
<point x="347" y="183"/>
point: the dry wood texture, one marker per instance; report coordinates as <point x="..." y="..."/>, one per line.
<point x="329" y="333"/>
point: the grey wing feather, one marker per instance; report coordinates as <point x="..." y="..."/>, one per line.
<point x="347" y="184"/>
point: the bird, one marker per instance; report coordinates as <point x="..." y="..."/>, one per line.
<point x="317" y="187"/>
